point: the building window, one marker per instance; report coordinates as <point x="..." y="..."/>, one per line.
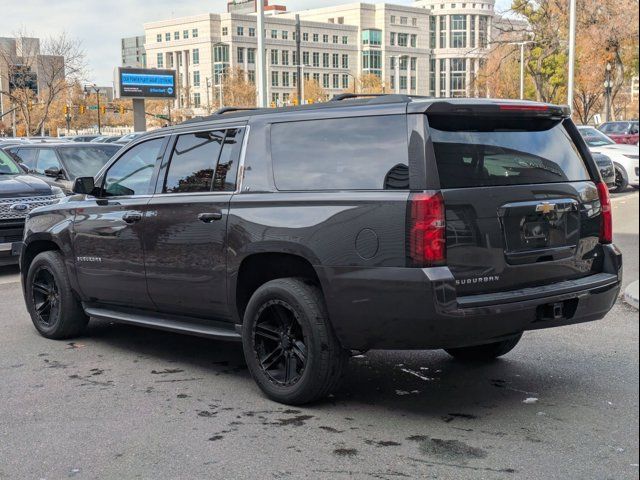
<point x="345" y="61"/>
<point x="345" y="81"/>
<point x="196" y="100"/>
<point x="160" y="60"/>
<point x="432" y="77"/>
<point x="325" y="38"/>
<point x="240" y="55"/>
<point x="176" y="35"/>
<point x="458" y="31"/>
<point x="221" y="54"/>
<point x="403" y="40"/>
<point x="414" y="41"/>
<point x="316" y="78"/>
<point x="159" y="38"/>
<point x="345" y="40"/>
<point x="393" y="19"/>
<point x="432" y="31"/>
<point x="372" y="62"/>
<point x="316" y="59"/>
<point x="275" y="99"/>
<point x="274" y="33"/>
<point x="336" y="39"/>
<point x="285" y="79"/>
<point x="240" y="31"/>
<point x="482" y="29"/>
<point x="251" y="76"/>
<point x="194" y="33"/>
<point x="305" y="37"/>
<point x="196" y="56"/>
<point x="472" y="32"/>
<point x="285" y="35"/>
<point x="335" y="60"/>
<point x="336" y="80"/>
<point x="316" y="37"/>
<point x="325" y="60"/>
<point x="274" y="78"/>
<point x="252" y="32"/>
<point x="458" y="77"/>
<point x="274" y="57"/>
<point x="251" y="55"/>
<point x="392" y="39"/>
<point x="404" y="21"/>
<point x="294" y="58"/>
<point x="306" y="76"/>
<point x="413" y="63"/>
<point x="285" y="57"/>
<point x="225" y="31"/>
<point x="340" y="20"/>
<point x="443" y="31"/>
<point x="443" y="77"/>
<point x="373" y="37"/>
<point x="196" y="78"/>
<point x="305" y="58"/>
<point x="414" y="21"/>
<point x="167" y="37"/>
<point x="294" y="79"/>
<point x="185" y="34"/>
<point x="325" y="80"/>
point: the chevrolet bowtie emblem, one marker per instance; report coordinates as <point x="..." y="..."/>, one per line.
<point x="546" y="207"/>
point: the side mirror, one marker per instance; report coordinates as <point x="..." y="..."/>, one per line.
<point x="53" y="172"/>
<point x="84" y="185"/>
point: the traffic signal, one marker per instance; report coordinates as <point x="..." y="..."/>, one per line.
<point x="65" y="109"/>
<point x="82" y="109"/>
<point x="295" y="102"/>
<point x="121" y="109"/>
<point x="103" y="109"/>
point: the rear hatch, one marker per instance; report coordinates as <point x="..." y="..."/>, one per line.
<point x="522" y="209"/>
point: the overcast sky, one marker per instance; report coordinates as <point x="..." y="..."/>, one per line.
<point x="99" y="24"/>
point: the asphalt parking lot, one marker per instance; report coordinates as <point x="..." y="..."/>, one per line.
<point x="124" y="402"/>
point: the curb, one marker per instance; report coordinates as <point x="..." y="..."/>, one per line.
<point x="631" y="294"/>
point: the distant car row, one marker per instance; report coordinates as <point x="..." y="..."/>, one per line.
<point x="120" y="139"/>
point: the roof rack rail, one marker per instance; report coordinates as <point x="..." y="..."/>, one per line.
<point x="224" y="110"/>
<point x="349" y="96"/>
<point x="398" y="97"/>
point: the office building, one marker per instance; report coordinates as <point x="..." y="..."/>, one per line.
<point x="133" y="53"/>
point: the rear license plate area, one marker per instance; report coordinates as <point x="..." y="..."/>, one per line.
<point x="557" y="311"/>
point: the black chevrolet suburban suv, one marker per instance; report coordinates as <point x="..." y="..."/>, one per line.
<point x="307" y="233"/>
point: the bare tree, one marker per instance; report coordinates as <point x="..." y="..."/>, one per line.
<point x="39" y="77"/>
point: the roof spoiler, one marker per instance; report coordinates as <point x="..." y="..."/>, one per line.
<point x="527" y="109"/>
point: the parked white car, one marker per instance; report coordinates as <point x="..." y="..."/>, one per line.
<point x="625" y="157"/>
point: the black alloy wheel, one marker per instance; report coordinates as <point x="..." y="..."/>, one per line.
<point x="279" y="343"/>
<point x="46" y="296"/>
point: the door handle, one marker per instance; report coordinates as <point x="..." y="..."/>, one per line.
<point x="210" y="217"/>
<point x="132" y="217"/>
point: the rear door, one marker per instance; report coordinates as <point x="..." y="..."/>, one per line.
<point x="521" y="207"/>
<point x="185" y="236"/>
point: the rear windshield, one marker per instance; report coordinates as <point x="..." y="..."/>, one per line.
<point x="487" y="152"/>
<point x="86" y="161"/>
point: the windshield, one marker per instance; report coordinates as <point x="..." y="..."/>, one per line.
<point x="8" y="166"/>
<point x="86" y="161"/>
<point x="595" y="138"/>
<point x="496" y="152"/>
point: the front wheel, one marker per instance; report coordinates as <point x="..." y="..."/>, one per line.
<point x="622" y="181"/>
<point x="55" y="311"/>
<point x="486" y="352"/>
<point x="290" y="348"/>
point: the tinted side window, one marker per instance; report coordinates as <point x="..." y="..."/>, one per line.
<point x="227" y="169"/>
<point x="131" y="174"/>
<point x="193" y="162"/>
<point x="47" y="158"/>
<point x="363" y="153"/>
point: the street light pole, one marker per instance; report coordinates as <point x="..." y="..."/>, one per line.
<point x="521" y="45"/>
<point x="208" y="82"/>
<point x="608" y="85"/>
<point x="572" y="52"/>
<point x="96" y="89"/>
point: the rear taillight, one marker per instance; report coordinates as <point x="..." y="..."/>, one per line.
<point x="520" y="107"/>
<point x="606" y="219"/>
<point x="426" y="230"/>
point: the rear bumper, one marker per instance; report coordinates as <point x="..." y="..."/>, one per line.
<point x="408" y="308"/>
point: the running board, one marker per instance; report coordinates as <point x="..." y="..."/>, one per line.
<point x="208" y="329"/>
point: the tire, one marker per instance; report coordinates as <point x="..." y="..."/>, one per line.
<point x="289" y="345"/>
<point x="484" y="353"/>
<point x="55" y="311"/>
<point x="622" y="180"/>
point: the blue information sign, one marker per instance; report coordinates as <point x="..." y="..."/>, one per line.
<point x="147" y="83"/>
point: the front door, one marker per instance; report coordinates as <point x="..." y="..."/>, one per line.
<point x="109" y="230"/>
<point x="185" y="236"/>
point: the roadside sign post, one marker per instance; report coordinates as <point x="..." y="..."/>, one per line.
<point x="139" y="116"/>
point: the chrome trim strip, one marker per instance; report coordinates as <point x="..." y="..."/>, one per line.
<point x="5" y="247"/>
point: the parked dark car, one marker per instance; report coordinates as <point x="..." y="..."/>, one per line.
<point x="60" y="164"/>
<point x="621" y="132"/>
<point x="19" y="194"/>
<point x="307" y="233"/>
<point x="83" y="138"/>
